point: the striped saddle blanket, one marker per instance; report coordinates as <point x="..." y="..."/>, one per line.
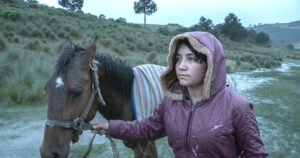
<point x="147" y="93"/>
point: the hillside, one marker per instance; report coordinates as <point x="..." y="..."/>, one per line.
<point x="31" y="36"/>
<point x="282" y="32"/>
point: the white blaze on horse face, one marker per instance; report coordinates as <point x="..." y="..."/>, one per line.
<point x="59" y="82"/>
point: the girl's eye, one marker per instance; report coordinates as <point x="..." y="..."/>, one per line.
<point x="191" y="58"/>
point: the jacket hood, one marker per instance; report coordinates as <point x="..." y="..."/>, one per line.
<point x="215" y="77"/>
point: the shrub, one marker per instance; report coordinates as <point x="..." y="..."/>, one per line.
<point x="74" y="33"/>
<point x="256" y="63"/>
<point x="53" y="37"/>
<point x="35" y="45"/>
<point x="262" y="38"/>
<point x="9" y="27"/>
<point x="121" y="20"/>
<point x="61" y="34"/>
<point x="47" y="32"/>
<point x="131" y="46"/>
<point x="228" y="69"/>
<point x="12" y="56"/>
<point x="46" y="49"/>
<point x="106" y="42"/>
<point x="119" y="49"/>
<point x="12" y="14"/>
<point x="130" y="38"/>
<point x="9" y="36"/>
<point x="53" y="20"/>
<point x="142" y="45"/>
<point x="164" y="30"/>
<point x="16" y="40"/>
<point x="36" y="33"/>
<point x="67" y="28"/>
<point x="24" y="32"/>
<point x="2" y="78"/>
<point x="2" y="44"/>
<point x="290" y="47"/>
<point x="152" y="58"/>
<point x="238" y="62"/>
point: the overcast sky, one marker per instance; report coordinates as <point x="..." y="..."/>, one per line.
<point x="188" y="12"/>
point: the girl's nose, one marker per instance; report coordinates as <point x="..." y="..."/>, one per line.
<point x="182" y="65"/>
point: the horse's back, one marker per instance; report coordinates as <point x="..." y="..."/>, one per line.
<point x="146" y="90"/>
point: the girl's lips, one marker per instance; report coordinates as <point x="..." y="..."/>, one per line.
<point x="182" y="76"/>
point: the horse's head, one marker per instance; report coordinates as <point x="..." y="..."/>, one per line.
<point x="68" y="90"/>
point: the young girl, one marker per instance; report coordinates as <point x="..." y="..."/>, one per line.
<point x="200" y="116"/>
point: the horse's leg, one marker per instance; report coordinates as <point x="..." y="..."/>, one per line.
<point x="149" y="149"/>
<point x="142" y="149"/>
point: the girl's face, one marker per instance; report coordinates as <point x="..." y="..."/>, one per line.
<point x="190" y="71"/>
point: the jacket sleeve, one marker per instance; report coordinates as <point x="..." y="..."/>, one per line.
<point x="247" y="134"/>
<point x="148" y="129"/>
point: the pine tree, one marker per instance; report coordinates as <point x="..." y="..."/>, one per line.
<point x="147" y="7"/>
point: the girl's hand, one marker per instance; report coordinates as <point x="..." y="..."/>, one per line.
<point x="100" y="127"/>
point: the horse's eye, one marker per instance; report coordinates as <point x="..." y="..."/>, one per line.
<point x="76" y="94"/>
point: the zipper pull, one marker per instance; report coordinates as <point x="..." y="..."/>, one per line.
<point x="193" y="107"/>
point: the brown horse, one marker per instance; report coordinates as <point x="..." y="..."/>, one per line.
<point x="70" y="91"/>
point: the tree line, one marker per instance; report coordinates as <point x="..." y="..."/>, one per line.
<point x="231" y="27"/>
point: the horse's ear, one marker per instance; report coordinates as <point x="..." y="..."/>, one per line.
<point x="67" y="44"/>
<point x="90" y="52"/>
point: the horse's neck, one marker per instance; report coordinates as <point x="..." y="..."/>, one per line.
<point x="115" y="80"/>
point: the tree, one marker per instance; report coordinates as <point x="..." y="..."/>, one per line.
<point x="252" y="34"/>
<point x="147" y="7"/>
<point x="71" y="5"/>
<point x="233" y="28"/>
<point x="203" y="25"/>
<point x="262" y="38"/>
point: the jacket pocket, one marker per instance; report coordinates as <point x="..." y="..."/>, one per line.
<point x="222" y="133"/>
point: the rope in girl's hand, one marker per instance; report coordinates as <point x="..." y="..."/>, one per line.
<point x="111" y="141"/>
<point x="113" y="145"/>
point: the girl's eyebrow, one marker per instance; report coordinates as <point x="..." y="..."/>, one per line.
<point x="189" y="54"/>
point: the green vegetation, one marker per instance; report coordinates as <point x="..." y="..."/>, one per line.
<point x="31" y="36"/>
<point x="147" y="7"/>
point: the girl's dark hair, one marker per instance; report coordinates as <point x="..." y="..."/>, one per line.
<point x="199" y="56"/>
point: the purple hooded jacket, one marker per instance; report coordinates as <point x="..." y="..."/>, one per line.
<point x="221" y="125"/>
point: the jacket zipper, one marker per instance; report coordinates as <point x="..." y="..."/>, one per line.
<point x="188" y="128"/>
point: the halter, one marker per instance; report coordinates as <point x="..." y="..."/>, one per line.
<point x="78" y="124"/>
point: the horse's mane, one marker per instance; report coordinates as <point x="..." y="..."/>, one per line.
<point x="117" y="73"/>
